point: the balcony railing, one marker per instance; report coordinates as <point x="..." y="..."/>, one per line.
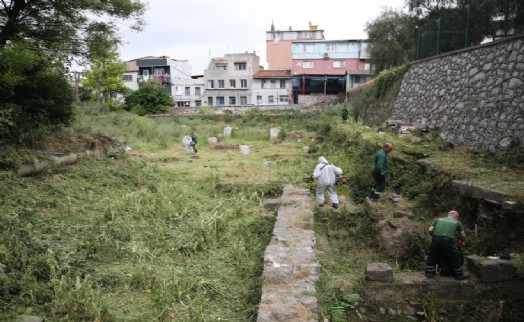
<point x="161" y="79"/>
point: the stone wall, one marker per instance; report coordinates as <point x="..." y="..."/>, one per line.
<point x="290" y="266"/>
<point x="319" y="100"/>
<point x="475" y="96"/>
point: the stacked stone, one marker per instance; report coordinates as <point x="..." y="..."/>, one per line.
<point x="290" y="265"/>
<point x="474" y="96"/>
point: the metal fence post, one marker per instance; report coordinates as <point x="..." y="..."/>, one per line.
<point x="418" y="41"/>
<point x="466" y="36"/>
<point x="438" y="36"/>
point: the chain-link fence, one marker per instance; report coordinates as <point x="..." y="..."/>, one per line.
<point x="463" y="27"/>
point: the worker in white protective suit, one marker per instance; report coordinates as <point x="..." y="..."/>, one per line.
<point x="326" y="174"/>
<point x="186" y="141"/>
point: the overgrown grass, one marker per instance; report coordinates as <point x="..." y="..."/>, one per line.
<point x="165" y="237"/>
<point x="160" y="235"/>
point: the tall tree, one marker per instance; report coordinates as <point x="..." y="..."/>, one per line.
<point x="430" y="8"/>
<point x="105" y="75"/>
<point x="392" y="37"/>
<point x="62" y="27"/>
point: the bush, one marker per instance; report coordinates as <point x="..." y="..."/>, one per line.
<point x="34" y="94"/>
<point x="150" y="98"/>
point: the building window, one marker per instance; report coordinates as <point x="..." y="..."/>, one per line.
<point x="240" y="66"/>
<point x="309" y="48"/>
<point x="221" y="83"/>
<point x="273" y="83"/>
<point x="330" y="48"/>
<point x="158" y="71"/>
<point x="145" y="72"/>
<point x="220" y="66"/>
<point x="197" y="91"/>
<point x="187" y="91"/>
<point x="210" y="83"/>
<point x="263" y="83"/>
<point x="232" y="83"/>
<point x="128" y="78"/>
<point x="342" y="48"/>
<point x="339" y="64"/>
<point x="243" y="100"/>
<point x="367" y="66"/>
<point x="243" y="83"/>
<point x="307" y="64"/>
<point x="210" y="101"/>
<point x="271" y="99"/>
<point x="198" y="103"/>
<point x="220" y="100"/>
<point x="305" y="34"/>
<point x="282" y="83"/>
<point x="259" y="99"/>
<point x="282" y="98"/>
<point x="232" y="100"/>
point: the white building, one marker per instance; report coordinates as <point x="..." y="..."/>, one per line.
<point x="272" y="87"/>
<point x="174" y="75"/>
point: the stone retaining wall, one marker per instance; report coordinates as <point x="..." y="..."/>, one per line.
<point x="290" y="266"/>
<point x="475" y="96"/>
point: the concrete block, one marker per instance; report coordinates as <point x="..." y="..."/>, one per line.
<point x="380" y="272"/>
<point x="490" y="270"/>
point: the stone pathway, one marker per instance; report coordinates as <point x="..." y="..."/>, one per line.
<point x="290" y="265"/>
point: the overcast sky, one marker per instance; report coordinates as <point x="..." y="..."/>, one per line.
<point x="196" y="30"/>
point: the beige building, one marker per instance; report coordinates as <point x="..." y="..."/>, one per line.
<point x="229" y="79"/>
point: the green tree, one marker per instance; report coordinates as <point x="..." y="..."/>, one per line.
<point x="430" y="8"/>
<point x="392" y="36"/>
<point x="150" y="98"/>
<point x="105" y="75"/>
<point x="105" y="78"/>
<point x="62" y="27"/>
<point x="470" y="20"/>
<point x="34" y="94"/>
<point x="36" y="35"/>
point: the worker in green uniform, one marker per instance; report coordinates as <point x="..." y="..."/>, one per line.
<point x="380" y="165"/>
<point x="444" y="248"/>
<point x="194" y="141"/>
<point x="345" y="114"/>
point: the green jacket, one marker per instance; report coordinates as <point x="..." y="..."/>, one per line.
<point x="447" y="227"/>
<point x="380" y="161"/>
<point x="194" y="139"/>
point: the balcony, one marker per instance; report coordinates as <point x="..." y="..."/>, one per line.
<point x="161" y="79"/>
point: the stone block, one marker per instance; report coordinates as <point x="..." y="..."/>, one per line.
<point x="244" y="149"/>
<point x="30" y="318"/>
<point x="212" y="140"/>
<point x="380" y="272"/>
<point x="490" y="270"/>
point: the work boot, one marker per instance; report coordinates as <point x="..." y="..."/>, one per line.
<point x="462" y="277"/>
<point x="335" y="205"/>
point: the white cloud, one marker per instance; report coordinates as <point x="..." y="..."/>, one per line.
<point x="196" y="30"/>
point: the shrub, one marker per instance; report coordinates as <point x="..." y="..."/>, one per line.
<point x="150" y="98"/>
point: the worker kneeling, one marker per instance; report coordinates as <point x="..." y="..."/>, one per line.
<point x="443" y="249"/>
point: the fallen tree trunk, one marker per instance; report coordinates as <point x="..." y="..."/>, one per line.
<point x="27" y="170"/>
